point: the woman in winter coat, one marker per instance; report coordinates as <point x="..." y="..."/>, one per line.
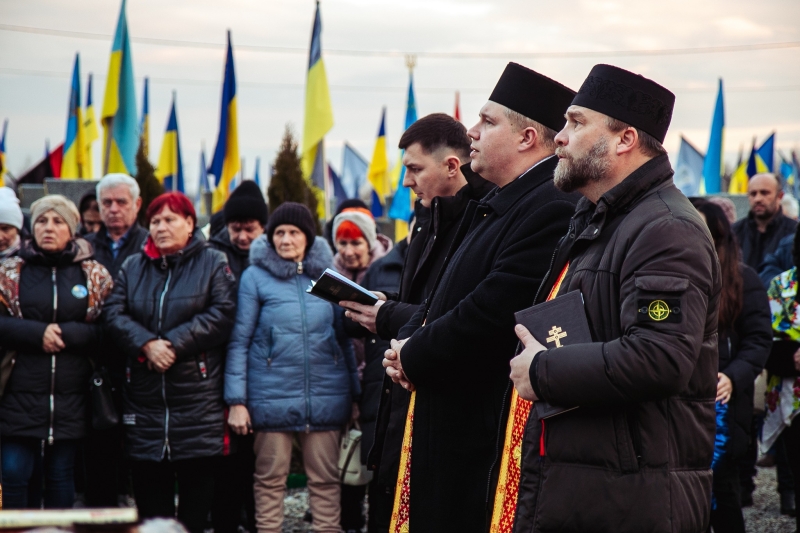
<point x="745" y="339"/>
<point x="51" y="296"/>
<point x="290" y="368"/>
<point x="358" y="246"/>
<point x="171" y="313"/>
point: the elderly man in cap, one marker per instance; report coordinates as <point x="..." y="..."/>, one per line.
<point x="635" y="454"/>
<point x="458" y="362"/>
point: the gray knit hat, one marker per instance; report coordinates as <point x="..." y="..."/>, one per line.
<point x="10" y="213"/>
<point x="61" y="205"/>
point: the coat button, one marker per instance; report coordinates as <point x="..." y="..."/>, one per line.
<point x="386" y="391"/>
<point x="372" y="341"/>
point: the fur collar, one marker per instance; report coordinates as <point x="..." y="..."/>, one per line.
<point x="318" y="258"/>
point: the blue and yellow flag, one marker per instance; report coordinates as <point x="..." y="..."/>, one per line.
<point x="766" y="153"/>
<point x="3" y="154"/>
<point x="226" y="163"/>
<point x="170" y="165"/>
<point x="403" y="201"/>
<point x="319" y="117"/>
<point x="712" y="165"/>
<point x="746" y="170"/>
<point x="73" y="164"/>
<point x="256" y="177"/>
<point x="378" y="171"/>
<point x="144" y="121"/>
<point x="90" y="133"/>
<point x="119" y="105"/>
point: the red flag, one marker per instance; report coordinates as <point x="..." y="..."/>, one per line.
<point x="457" y="113"/>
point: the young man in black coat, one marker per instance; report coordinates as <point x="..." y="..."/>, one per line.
<point x="435" y="148"/>
<point x="635" y="454"/>
<point x="455" y="351"/>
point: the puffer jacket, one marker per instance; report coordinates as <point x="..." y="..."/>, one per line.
<point x="187" y="299"/>
<point x="289" y="359"/>
<point x="46" y="394"/>
<point x="636" y="454"/>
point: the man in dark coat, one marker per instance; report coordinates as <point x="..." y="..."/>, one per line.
<point x="636" y="453"/>
<point x="245" y="215"/>
<point x="119" y="237"/>
<point x="435" y="147"/>
<point x="458" y="362"/>
<point x="765" y="224"/>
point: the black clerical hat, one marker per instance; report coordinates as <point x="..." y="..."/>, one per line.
<point x="535" y="96"/>
<point x="628" y="97"/>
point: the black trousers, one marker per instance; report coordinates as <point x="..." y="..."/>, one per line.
<point x="352" y="502"/>
<point x="154" y="490"/>
<point x="727" y="516"/>
<point x="791" y="438"/>
<point x="381" y="503"/>
<point x="234" y="504"/>
<point x="106" y="467"/>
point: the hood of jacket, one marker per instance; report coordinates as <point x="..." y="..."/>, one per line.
<point x="77" y="250"/>
<point x="196" y="243"/>
<point x="317" y="259"/>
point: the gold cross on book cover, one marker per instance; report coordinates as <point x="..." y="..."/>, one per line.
<point x="556" y="323"/>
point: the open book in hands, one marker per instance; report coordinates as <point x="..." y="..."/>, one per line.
<point x="335" y="288"/>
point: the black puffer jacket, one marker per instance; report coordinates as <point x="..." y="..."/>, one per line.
<point x="101" y="243"/>
<point x="25" y="409"/>
<point x="636" y="454"/>
<point x="384" y="276"/>
<point x="238" y="259"/>
<point x="187" y="299"/>
<point x="743" y="352"/>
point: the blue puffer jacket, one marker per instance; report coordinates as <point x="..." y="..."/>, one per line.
<point x="289" y="360"/>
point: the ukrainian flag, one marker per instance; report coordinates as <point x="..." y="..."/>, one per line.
<point x="378" y="171"/>
<point x="119" y="105"/>
<point x="170" y="164"/>
<point x="90" y="133"/>
<point x="746" y="170"/>
<point x="144" y="122"/>
<point x="319" y="116"/>
<point x="73" y="162"/>
<point x="712" y="165"/>
<point x="402" y="203"/>
<point x="226" y="163"/>
<point x="3" y="154"/>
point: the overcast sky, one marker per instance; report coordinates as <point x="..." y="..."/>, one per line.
<point x="763" y="86"/>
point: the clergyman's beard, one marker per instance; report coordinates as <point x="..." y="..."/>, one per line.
<point x="573" y="173"/>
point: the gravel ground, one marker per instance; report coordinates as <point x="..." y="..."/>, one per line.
<point x="765" y="514"/>
<point x="763" y="517"/>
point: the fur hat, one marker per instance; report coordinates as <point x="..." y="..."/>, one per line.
<point x="61" y="205"/>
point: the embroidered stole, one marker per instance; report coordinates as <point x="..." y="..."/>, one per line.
<point x="505" y="498"/>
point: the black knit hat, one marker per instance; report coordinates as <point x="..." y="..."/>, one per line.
<point x="535" y="96"/>
<point x="629" y="97"/>
<point x="296" y="215"/>
<point x="246" y="202"/>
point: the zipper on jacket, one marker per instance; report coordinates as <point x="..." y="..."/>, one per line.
<point x="306" y="364"/>
<point x="50" y="438"/>
<point x="165" y="450"/>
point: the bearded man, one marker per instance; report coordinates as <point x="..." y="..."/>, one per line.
<point x="635" y="454"/>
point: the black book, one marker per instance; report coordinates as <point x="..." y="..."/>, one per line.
<point x="556" y="323"/>
<point x="335" y="288"/>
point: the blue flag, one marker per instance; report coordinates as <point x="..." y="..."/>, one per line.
<point x="338" y="190"/>
<point x="401" y="208"/>
<point x="354" y="171"/>
<point x="767" y="152"/>
<point x="689" y="169"/>
<point x="712" y="165"/>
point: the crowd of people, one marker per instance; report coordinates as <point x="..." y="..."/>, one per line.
<point x="220" y="365"/>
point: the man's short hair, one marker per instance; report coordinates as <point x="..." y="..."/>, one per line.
<point x="436" y="131"/>
<point x="110" y="181"/>
<point x="648" y="144"/>
<point x="520" y="122"/>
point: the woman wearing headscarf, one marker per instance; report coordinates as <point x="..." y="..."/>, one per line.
<point x="290" y="369"/>
<point x="171" y="313"/>
<point x="51" y="297"/>
<point x="10" y="223"/>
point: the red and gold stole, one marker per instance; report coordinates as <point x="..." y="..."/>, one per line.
<point x="402" y="491"/>
<point x="505" y="497"/>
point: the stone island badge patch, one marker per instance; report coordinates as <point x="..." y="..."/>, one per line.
<point x="80" y="292"/>
<point x="229" y="273"/>
<point x="659" y="310"/>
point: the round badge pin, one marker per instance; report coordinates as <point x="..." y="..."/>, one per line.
<point x="80" y="292"/>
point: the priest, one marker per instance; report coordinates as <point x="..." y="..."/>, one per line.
<point x="635" y="452"/>
<point x="455" y="351"/>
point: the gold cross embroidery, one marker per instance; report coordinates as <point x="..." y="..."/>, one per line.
<point x="556" y="335"/>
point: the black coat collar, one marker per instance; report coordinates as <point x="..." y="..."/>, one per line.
<point x="500" y="200"/>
